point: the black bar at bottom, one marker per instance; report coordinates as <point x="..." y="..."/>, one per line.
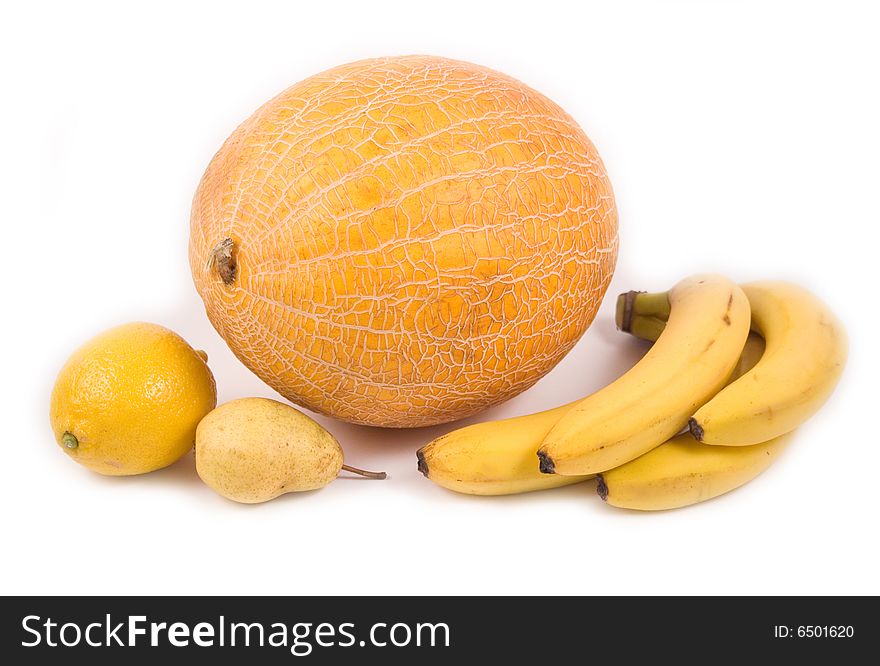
<point x="435" y="630"/>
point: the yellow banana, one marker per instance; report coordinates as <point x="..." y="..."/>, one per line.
<point x="498" y="457"/>
<point x="805" y="355"/>
<point x="806" y="351"/>
<point x="690" y="362"/>
<point x="494" y="457"/>
<point x="683" y="471"/>
<point x="649" y="327"/>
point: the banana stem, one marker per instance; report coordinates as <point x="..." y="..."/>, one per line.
<point x="623" y="313"/>
<point x="653" y="304"/>
<point x="639" y="303"/>
<point x="365" y="473"/>
<point x="646" y="328"/>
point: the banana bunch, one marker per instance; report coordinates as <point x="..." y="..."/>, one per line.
<point x="707" y="409"/>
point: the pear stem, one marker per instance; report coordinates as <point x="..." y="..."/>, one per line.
<point x="363" y="472"/>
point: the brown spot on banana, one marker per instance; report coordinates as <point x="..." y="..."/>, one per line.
<point x="726" y="317"/>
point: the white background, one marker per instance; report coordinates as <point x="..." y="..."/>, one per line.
<point x="740" y="137"/>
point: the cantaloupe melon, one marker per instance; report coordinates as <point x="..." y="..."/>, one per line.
<point x="404" y="241"/>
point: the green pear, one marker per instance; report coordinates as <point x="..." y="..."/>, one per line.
<point x="253" y="450"/>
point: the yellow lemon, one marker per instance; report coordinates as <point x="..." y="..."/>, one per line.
<point x="129" y="400"/>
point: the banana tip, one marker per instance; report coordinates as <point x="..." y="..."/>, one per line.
<point x="696" y="429"/>
<point x="602" y="488"/>
<point x="423" y="464"/>
<point x="546" y="463"/>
